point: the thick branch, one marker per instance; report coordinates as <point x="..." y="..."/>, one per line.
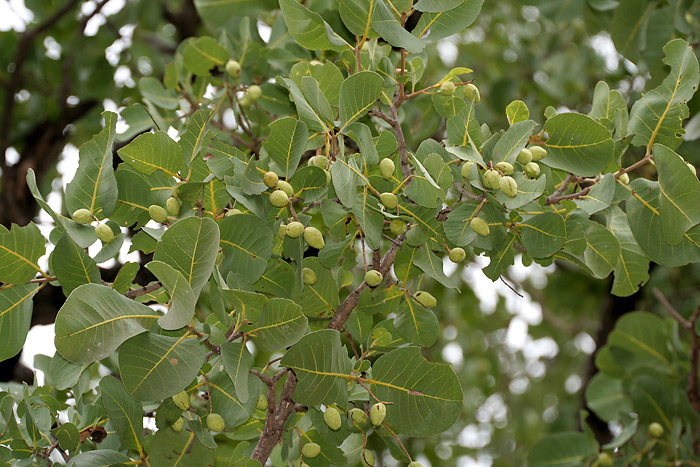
<point x="277" y="414"/>
<point x="143" y="290"/>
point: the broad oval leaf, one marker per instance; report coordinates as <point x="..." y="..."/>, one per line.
<point x="15" y="318"/>
<point x="182" y="299"/>
<point x="309" y="29"/>
<point x="578" y="144"/>
<point x="357" y="94"/>
<point x="125" y="414"/>
<point x="544" y="234"/>
<point x="286" y="144"/>
<point x="150" y="152"/>
<point x="72" y="266"/>
<point x="247" y="245"/>
<point x="281" y="324"/>
<point x="562" y="450"/>
<point x="20" y="249"/>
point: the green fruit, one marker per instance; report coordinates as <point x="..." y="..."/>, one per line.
<point x="254" y="92"/>
<point x="415" y="464"/>
<point x="82" y="216"/>
<point x="233" y="68"/>
<point x="261" y="403"/>
<point x="245" y="102"/>
<point x="367" y="458"/>
<point x="389" y="200"/>
<point x="466" y="168"/>
<point x="457" y="255"/>
<point x="314" y="238"/>
<point x="492" y="179"/>
<point x="532" y="169"/>
<point x="311" y="450"/>
<point x="328" y="177"/>
<point x="448" y="88"/>
<point x="282" y="231"/>
<point x="175" y="190"/>
<point x="509" y="187"/>
<point x="525" y="156"/>
<point x="309" y="276"/>
<point x="656" y="430"/>
<point x="286" y="187"/>
<point x="425" y="299"/>
<point x="172" y="205"/>
<point x="215" y="422"/>
<point x="692" y="168"/>
<point x="480" y="226"/>
<point x="472" y="93"/>
<point x="279" y="199"/>
<point x="397" y="226"/>
<point x="505" y="168"/>
<point x="319" y="161"/>
<point x="179" y="425"/>
<point x="295" y="229"/>
<point x="624" y="178"/>
<point x="359" y="418"/>
<point x="538" y="153"/>
<point x="332" y="418"/>
<point x="373" y="278"/>
<point x="182" y="400"/>
<point x="377" y="414"/>
<point x="157" y="213"/>
<point x="605" y="460"/>
<point x="270" y="179"/>
<point x="233" y="212"/>
<point x="387" y="168"/>
<point x="104" y="233"/>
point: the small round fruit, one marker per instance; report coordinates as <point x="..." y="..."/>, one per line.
<point x="157" y="213"/>
<point x="215" y="422"/>
<point x="328" y="177"/>
<point x="425" y="298"/>
<point x="104" y="233"/>
<point x="389" y="200"/>
<point x="605" y="460"/>
<point x="233" y="68"/>
<point x="480" y="226"/>
<point x="457" y="255"/>
<point x="245" y="102"/>
<point x="179" y="425"/>
<point x="624" y="178"/>
<point x="279" y="199"/>
<point x="175" y="190"/>
<point x="656" y="430"/>
<point x="397" y="226"/>
<point x="254" y="92"/>
<point x="492" y="179"/>
<point x="472" y="93"/>
<point x="233" y="212"/>
<point x="448" y="88"/>
<point x="525" y="156"/>
<point x="373" y="278"/>
<point x="505" y="168"/>
<point x="261" y="403"/>
<point x="319" y="161"/>
<point x="172" y="205"/>
<point x="314" y="238"/>
<point x="367" y="458"/>
<point x="332" y="418"/>
<point x="270" y="179"/>
<point x="286" y="187"/>
<point x="387" y="168"/>
<point x="692" y="168"/>
<point x="309" y="276"/>
<point x="182" y="400"/>
<point x="82" y="216"/>
<point x="377" y="414"/>
<point x="311" y="450"/>
<point x="415" y="464"/>
<point x="532" y="169"/>
<point x="359" y="418"/>
<point x="509" y="186"/>
<point x="295" y="229"/>
<point x="466" y="168"/>
<point x="538" y="153"/>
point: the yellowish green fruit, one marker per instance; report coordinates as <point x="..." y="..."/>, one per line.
<point x="448" y="88"/>
<point x="104" y="233"/>
<point x="415" y="464"/>
<point x="328" y="176"/>
<point x="425" y="298"/>
<point x="279" y="199"/>
<point x="457" y="255"/>
<point x="245" y="102"/>
<point x="319" y="161"/>
<point x="82" y="216"/>
<point x="233" y="212"/>
<point x="233" y="68"/>
<point x="389" y="200"/>
<point x="373" y="278"/>
<point x="624" y="178"/>
<point x="254" y="92"/>
<point x="397" y="226"/>
<point x="377" y="414"/>
<point x="538" y="153"/>
<point x="605" y="460"/>
<point x="182" y="400"/>
<point x="179" y="425"/>
<point x="309" y="276"/>
<point x="314" y="238"/>
<point x="656" y="430"/>
<point x="359" y="418"/>
<point x="505" y="168"/>
<point x="525" y="156"/>
<point x="295" y="229"/>
<point x="215" y="422"/>
<point x="270" y="179"/>
<point x="175" y="190"/>
<point x="311" y="450"/>
<point x="332" y="418"/>
<point x="509" y="186"/>
<point x="157" y="213"/>
<point x="282" y="231"/>
<point x="472" y="93"/>
<point x="492" y="179"/>
<point x="387" y="168"/>
<point x="532" y="169"/>
<point x="466" y="168"/>
<point x="172" y="205"/>
<point x="480" y="226"/>
<point x="692" y="168"/>
<point x="261" y="403"/>
<point x="367" y="458"/>
<point x="286" y="187"/>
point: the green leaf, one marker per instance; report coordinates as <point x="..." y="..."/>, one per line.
<point x="125" y="277"/>
<point x="357" y="94"/>
<point x="457" y="224"/>
<point x="602" y="251"/>
<point x="345" y="181"/>
<point x="202" y="54"/>
<point x="431" y="264"/>
<point x="578" y="144"/>
<point x="137" y="192"/>
<point x="225" y="402"/>
<point x="154" y="367"/>
<point x="416" y="324"/>
<point x="168" y="448"/>
<point x="605" y="396"/>
<point x="182" y="299"/>
<point x="314" y="121"/>
<point x="501" y="258"/>
<point x="319" y="300"/>
<point x="544" y="234"/>
<point x="153" y="151"/>
<point x="600" y="197"/>
<point x="561" y="450"/>
<point x="420" y="390"/>
<point x="95" y="320"/>
<point x="632" y="270"/>
<point x="247" y="245"/>
<point x="517" y="112"/>
<point x="327" y="74"/>
<point x="153" y="90"/>
<point x="640" y="340"/>
<point x="309" y="29"/>
<point x="388" y="27"/>
<point x="357" y="16"/>
<point x="99" y="458"/>
<point x="190" y="246"/>
<point x="464" y="126"/>
<point x="285" y="145"/>
<point x="94" y="187"/>
<point x="445" y="23"/>
<point x="125" y="414"/>
<point x="653" y="402"/>
<point x="64" y="374"/>
<point x="237" y="361"/>
<point x="191" y="140"/>
<point x="436" y="6"/>
<point x="512" y="142"/>
<point x="281" y="324"/>
<point x="72" y="266"/>
<point x="316" y="99"/>
<point x="629" y="26"/>
<point x="15" y="318"/>
<point x="528" y="190"/>
<point x="20" y="250"/>
<point x="369" y="219"/>
<point x="219" y="13"/>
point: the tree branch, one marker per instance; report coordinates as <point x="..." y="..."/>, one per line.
<point x="143" y="290"/>
<point x="277" y="414"/>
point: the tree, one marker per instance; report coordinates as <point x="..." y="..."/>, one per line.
<point x="303" y="193"/>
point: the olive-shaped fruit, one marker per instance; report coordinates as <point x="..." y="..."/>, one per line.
<point x="415" y="464"/>
<point x="157" y="213"/>
<point x="319" y="161"/>
<point x="389" y="200"/>
<point x="82" y="216"/>
<point x="332" y="418"/>
<point x="282" y="231"/>
<point x="492" y="179"/>
<point x="261" y="403"/>
<point x="605" y="460"/>
<point x="367" y="458"/>
<point x="472" y="93"/>
<point x="104" y="233"/>
<point x="387" y="168"/>
<point x="314" y="238"/>
<point x="624" y="178"/>
<point x="505" y="168"/>
<point x="311" y="450"/>
<point x="233" y="68"/>
<point x="466" y="168"/>
<point x="328" y="176"/>
<point x="245" y="102"/>
<point x="270" y="179"/>
<point x="525" y="156"/>
<point x="175" y="190"/>
<point x="215" y="422"/>
<point x="233" y="212"/>
<point x="295" y="229"/>
<point x="309" y="276"/>
<point x="182" y="400"/>
<point x="373" y="278"/>
<point x="480" y="226"/>
<point x="279" y="199"/>
<point x="179" y="425"/>
<point x="359" y="418"/>
<point x="538" y="153"/>
<point x="425" y="298"/>
<point x="656" y="430"/>
<point x="172" y="205"/>
<point x="532" y="169"/>
<point x="397" y="226"/>
<point x="254" y="92"/>
<point x="509" y="186"/>
<point x="457" y="255"/>
<point x="286" y="187"/>
<point x="448" y="88"/>
<point x="377" y="414"/>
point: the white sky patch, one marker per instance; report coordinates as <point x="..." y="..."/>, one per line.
<point x="39" y="341"/>
<point x="264" y="31"/>
<point x="604" y="47"/>
<point x="14" y="15"/>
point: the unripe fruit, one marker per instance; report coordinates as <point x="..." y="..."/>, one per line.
<point x="286" y="187"/>
<point x="328" y="177"/>
<point x="295" y="229"/>
<point x="367" y="458"/>
<point x="692" y="168"/>
<point x="466" y="168"/>
<point x="472" y="93"/>
<point x="279" y="199"/>
<point x="319" y="161"/>
<point x="656" y="430"/>
<point x="457" y="255"/>
<point x="448" y="88"/>
<point x="182" y="400"/>
<point x="492" y="179"/>
<point x="282" y="231"/>
<point x="261" y="403"/>
<point x="373" y="278"/>
<point x="173" y="206"/>
<point x="624" y="178"/>
<point x="386" y="168"/>
<point x="309" y="276"/>
<point x="104" y="233"/>
<point x="179" y="425"/>
<point x="538" y="153"/>
<point x="415" y="464"/>
<point x="505" y="168"/>
<point x="233" y="68"/>
<point x="157" y="213"/>
<point x="215" y="422"/>
<point x="525" y="156"/>
<point x="314" y="238"/>
<point x="377" y="414"/>
<point x="359" y="418"/>
<point x="605" y="460"/>
<point x="233" y="212"/>
<point x="175" y="190"/>
<point x="254" y="92"/>
<point x="425" y="299"/>
<point x="397" y="226"/>
<point x="270" y="179"/>
<point x="82" y="216"/>
<point x="509" y="187"/>
<point x="311" y="450"/>
<point x="332" y="418"/>
<point x="389" y="200"/>
<point x="245" y="102"/>
<point x="532" y="169"/>
<point x="480" y="226"/>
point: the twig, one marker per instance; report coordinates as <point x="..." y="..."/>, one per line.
<point x="671" y="310"/>
<point x="400" y="443"/>
<point x="511" y="287"/>
<point x="467" y="194"/>
<point x="143" y="290"/>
